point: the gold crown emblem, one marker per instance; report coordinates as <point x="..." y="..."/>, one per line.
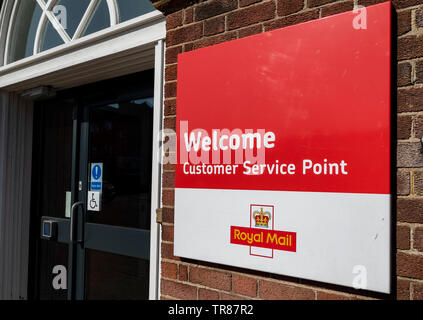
<point x="262" y="218"/>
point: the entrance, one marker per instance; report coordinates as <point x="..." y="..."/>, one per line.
<point x="92" y="191"/>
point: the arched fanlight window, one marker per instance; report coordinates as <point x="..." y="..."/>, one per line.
<point x="39" y="25"/>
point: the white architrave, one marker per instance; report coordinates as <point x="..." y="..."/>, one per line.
<point x="156" y="199"/>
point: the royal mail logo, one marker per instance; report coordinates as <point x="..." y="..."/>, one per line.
<point x="261" y="236"/>
<point x="261" y="218"/>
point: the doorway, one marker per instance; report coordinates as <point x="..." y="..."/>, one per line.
<point x="92" y="191"/>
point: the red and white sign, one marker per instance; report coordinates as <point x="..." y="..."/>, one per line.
<point x="290" y="127"/>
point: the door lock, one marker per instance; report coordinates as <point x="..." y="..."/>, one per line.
<point x="49" y="230"/>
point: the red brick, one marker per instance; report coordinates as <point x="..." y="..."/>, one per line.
<point x="337" y="8"/>
<point x="403" y="289"/>
<point x="168" y="197"/>
<point x="244" y="285"/>
<point x="167" y="233"/>
<point x="174" y="20"/>
<point x="409" y="265"/>
<point x="167" y="251"/>
<point x="276" y="291"/>
<point x="170" y="123"/>
<point x="205" y="294"/>
<point x="410" y="47"/>
<point x="185" y="34"/>
<point x="410" y="210"/>
<point x="188" y="47"/>
<point x="178" y="290"/>
<point x="418" y="238"/>
<point x="170" y="107"/>
<point x="410" y="99"/>
<point x="249" y="31"/>
<point x="403" y="183"/>
<point x="244" y="3"/>
<point x="188" y="15"/>
<point x="172" y="54"/>
<point x="367" y="3"/>
<point x="210" y="41"/>
<point x="409" y="155"/>
<point x="169" y="158"/>
<point x="210" y="278"/>
<point x="404" y="74"/>
<point x="251" y="15"/>
<point x="168" y="215"/>
<point x="183" y="272"/>
<point x="417" y="290"/>
<point x="289" y="7"/>
<point x="170" y="89"/>
<point x="418" y="127"/>
<point x="316" y="3"/>
<point x="214" y="8"/>
<point x="214" y="26"/>
<point x="330" y="296"/>
<point x="291" y="20"/>
<point x="418" y="182"/>
<point x="169" y="270"/>
<point x="401" y="4"/>
<point x="169" y="166"/>
<point x="403" y="237"/>
<point x="168" y="179"/>
<point x="404" y="126"/>
<point x="419" y="72"/>
<point x="419" y="18"/>
<point x="404" y="22"/>
<point x="229" y="296"/>
<point x="171" y="72"/>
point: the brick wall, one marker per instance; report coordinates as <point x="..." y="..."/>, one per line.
<point x="203" y="23"/>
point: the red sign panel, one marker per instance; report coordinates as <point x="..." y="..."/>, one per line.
<point x="321" y="102"/>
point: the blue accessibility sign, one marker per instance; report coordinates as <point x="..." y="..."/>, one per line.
<point x="96" y="182"/>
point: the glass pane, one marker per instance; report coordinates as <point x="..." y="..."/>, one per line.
<point x="129" y="9"/>
<point x="51" y="254"/>
<point x="74" y="12"/>
<point x="22" y="42"/>
<point x="121" y="139"/>
<point x="51" y="38"/>
<point x="114" y="277"/>
<point x="100" y="20"/>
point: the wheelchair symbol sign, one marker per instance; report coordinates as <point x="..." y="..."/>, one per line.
<point x="93" y="201"/>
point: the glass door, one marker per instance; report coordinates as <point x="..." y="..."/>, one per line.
<point x="107" y="228"/>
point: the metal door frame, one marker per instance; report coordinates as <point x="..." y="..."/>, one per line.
<point x="80" y="169"/>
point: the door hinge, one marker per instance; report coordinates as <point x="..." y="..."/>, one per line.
<point x="159" y="215"/>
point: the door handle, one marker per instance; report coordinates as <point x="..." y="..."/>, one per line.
<point x="72" y="221"/>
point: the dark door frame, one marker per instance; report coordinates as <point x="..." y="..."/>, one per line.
<point x="102" y="235"/>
